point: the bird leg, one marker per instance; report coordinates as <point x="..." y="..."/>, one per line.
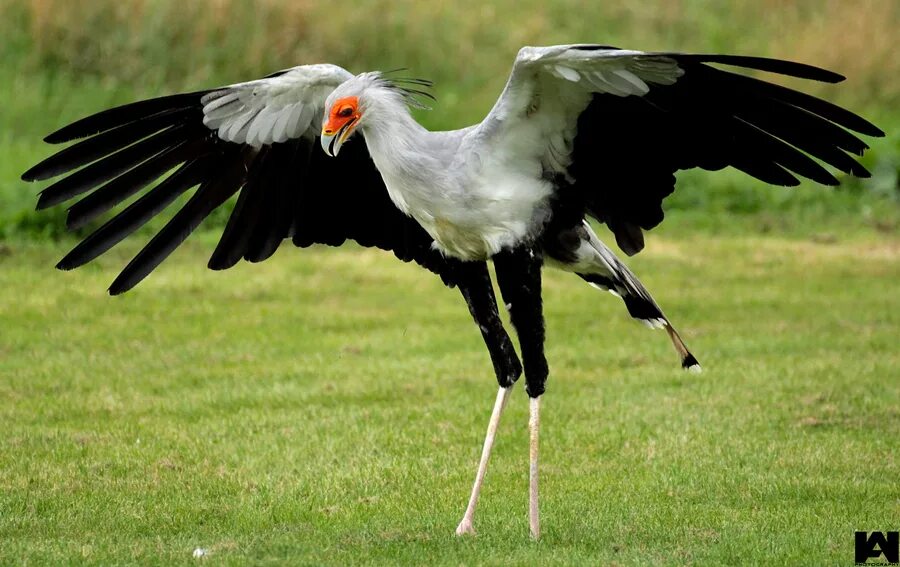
<point x="474" y="281"/>
<point x="534" y="425"/>
<point x="465" y="525"/>
<point x="519" y="278"/>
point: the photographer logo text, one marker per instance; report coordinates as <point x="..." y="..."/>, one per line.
<point x="882" y="547"/>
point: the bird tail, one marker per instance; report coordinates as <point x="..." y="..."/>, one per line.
<point x="600" y="267"/>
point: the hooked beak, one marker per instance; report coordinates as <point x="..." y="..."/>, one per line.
<point x="332" y="141"/>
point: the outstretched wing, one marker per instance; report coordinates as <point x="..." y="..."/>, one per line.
<point x="620" y="123"/>
<point x="256" y="138"/>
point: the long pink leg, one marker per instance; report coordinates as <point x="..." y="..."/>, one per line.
<point x="465" y="526"/>
<point x="534" y="425"/>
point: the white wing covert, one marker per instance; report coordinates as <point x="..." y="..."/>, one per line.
<point x="283" y="106"/>
<point x="602" y="70"/>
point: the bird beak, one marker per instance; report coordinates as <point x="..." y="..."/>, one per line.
<point x="333" y="140"/>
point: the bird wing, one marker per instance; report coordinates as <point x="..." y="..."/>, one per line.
<point x="618" y="124"/>
<point x="257" y="139"/>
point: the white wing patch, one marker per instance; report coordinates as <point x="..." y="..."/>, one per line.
<point x="275" y="109"/>
<point x="566" y="73"/>
<point x="617" y="72"/>
<point x="619" y="82"/>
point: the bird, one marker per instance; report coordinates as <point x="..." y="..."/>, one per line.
<point x="580" y="133"/>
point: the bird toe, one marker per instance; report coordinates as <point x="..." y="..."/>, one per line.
<point x="465" y="528"/>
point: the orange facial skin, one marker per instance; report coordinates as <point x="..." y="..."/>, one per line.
<point x="343" y="112"/>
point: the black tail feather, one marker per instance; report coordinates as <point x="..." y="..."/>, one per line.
<point x="642" y="307"/>
<point x="689" y="361"/>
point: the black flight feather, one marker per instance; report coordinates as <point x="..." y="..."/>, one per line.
<point x="99" y="146"/>
<point x="823" y="108"/>
<point x="129" y="183"/>
<point x="709" y="118"/>
<point x="209" y="195"/>
<point x="89" y="177"/>
<point x="299" y="194"/>
<point x="137" y="214"/>
<point x="120" y="115"/>
<point x="278" y="201"/>
<point x="244" y="216"/>
<point x="784" y="155"/>
<point x="778" y="66"/>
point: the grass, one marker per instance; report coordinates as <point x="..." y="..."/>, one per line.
<point x="327" y="407"/>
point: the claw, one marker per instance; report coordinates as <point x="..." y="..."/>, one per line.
<point x="465" y="528"/>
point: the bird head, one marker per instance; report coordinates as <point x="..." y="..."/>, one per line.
<point x="345" y="109"/>
<point x="347" y="106"/>
<point x="342" y="117"/>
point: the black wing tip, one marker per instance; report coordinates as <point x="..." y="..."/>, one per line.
<point x="47" y="199"/>
<point x="74" y="259"/>
<point x="826" y="75"/>
<point x="218" y="264"/>
<point x="43" y="203"/>
<point x="862" y="126"/>
<point x="58" y="137"/>
<point x="37" y="173"/>
<point x="873" y="131"/>
<point x="73" y="131"/>
<point x="120" y="285"/>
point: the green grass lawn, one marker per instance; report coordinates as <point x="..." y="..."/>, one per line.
<point x="328" y="407"/>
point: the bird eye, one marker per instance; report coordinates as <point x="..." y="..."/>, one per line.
<point x="345" y="111"/>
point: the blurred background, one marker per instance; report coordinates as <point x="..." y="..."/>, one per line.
<point x="62" y="59"/>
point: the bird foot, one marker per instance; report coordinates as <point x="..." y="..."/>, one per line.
<point x="465" y="528"/>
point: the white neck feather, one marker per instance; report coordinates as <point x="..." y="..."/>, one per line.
<point x="392" y="135"/>
<point x="400" y="148"/>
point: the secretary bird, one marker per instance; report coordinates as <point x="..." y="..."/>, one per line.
<point x="579" y="131"/>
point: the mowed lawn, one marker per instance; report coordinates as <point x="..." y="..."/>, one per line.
<point x="328" y="407"/>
